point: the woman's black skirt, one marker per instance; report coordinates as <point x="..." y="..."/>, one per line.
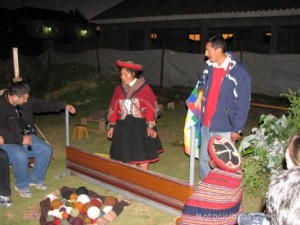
<point x="131" y="144"/>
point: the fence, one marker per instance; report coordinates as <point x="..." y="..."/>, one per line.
<point x="271" y="74"/>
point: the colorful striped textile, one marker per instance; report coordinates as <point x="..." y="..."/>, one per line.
<point x="192" y="120"/>
<point x="216" y="200"/>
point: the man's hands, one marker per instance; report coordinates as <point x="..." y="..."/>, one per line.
<point x="1" y="140"/>
<point x="70" y="109"/>
<point x="27" y="140"/>
<point x="235" y="136"/>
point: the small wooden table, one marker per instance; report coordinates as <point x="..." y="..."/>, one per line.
<point x="101" y="124"/>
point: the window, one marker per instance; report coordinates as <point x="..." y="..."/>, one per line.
<point x="227" y="36"/>
<point x="153" y="36"/>
<point x="268" y="34"/>
<point x="267" y="37"/>
<point x="194" y="37"/>
<point x="98" y="29"/>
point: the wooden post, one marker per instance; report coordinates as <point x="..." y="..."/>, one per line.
<point x="16" y="65"/>
<point x="269" y="106"/>
<point x="97" y="48"/>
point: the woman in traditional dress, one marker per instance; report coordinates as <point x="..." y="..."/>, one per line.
<point x="217" y="198"/>
<point x="132" y="119"/>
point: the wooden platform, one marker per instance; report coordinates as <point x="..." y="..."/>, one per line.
<point x="164" y="190"/>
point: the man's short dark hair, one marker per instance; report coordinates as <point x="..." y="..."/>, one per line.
<point x="19" y="88"/>
<point x="217" y="41"/>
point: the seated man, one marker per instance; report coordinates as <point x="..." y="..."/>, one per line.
<point x="5" y="191"/>
<point x="217" y="198"/>
<point x="20" y="137"/>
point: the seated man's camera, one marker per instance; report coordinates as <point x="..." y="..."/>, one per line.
<point x="26" y="130"/>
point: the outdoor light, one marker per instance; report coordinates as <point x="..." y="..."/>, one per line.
<point x="47" y="30"/>
<point x="83" y="32"/>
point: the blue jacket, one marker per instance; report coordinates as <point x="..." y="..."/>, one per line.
<point x="234" y="98"/>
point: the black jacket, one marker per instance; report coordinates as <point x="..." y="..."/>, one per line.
<point x="10" y="117"/>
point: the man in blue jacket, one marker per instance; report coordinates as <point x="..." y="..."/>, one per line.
<point x="226" y="87"/>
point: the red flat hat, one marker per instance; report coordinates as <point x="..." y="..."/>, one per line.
<point x="129" y="65"/>
<point x="224" y="154"/>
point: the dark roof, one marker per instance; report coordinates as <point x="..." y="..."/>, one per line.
<point x="46" y="14"/>
<point x="154" y="8"/>
<point x="4" y="13"/>
<point x="4" y="10"/>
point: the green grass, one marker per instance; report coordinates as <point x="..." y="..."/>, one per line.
<point x="91" y="95"/>
<point x="25" y="211"/>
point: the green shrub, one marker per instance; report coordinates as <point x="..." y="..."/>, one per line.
<point x="263" y="150"/>
<point x="255" y="181"/>
<point x="294" y="115"/>
<point x="267" y="142"/>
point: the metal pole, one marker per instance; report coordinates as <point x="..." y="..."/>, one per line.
<point x="162" y="67"/>
<point x="67" y="128"/>
<point x="192" y="156"/>
<point x="98" y="63"/>
<point x="49" y="58"/>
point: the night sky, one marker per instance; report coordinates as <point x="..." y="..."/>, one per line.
<point x="89" y="8"/>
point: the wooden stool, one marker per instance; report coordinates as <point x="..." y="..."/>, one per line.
<point x="81" y="130"/>
<point x="161" y="107"/>
<point x="171" y="105"/>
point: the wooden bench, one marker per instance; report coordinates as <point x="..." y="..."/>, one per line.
<point x="96" y="117"/>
